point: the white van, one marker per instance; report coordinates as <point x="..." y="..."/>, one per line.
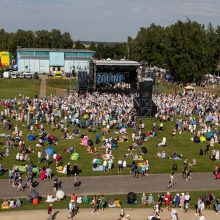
<point x="7" y="74"/>
<point x="14" y="75"/>
<point x="28" y="75"/>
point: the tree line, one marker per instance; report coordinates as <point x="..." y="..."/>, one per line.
<point x="38" y="39"/>
<point x="187" y="49"/>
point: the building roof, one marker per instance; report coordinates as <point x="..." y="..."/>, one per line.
<point x="116" y="63"/>
<point x="54" y="50"/>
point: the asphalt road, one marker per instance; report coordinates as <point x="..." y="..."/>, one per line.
<point x="118" y="185"/>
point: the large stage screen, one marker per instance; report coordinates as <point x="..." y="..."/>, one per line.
<point x="103" y="78"/>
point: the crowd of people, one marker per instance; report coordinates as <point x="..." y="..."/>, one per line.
<point x="194" y="113"/>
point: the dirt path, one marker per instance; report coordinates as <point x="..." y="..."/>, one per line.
<point x="108" y="214"/>
<point x="43" y="86"/>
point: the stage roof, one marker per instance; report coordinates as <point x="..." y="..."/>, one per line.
<point x="116" y="63"/>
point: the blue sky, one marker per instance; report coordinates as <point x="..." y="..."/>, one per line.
<point x="103" y="20"/>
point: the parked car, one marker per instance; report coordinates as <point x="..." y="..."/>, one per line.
<point x="21" y="76"/>
<point x="68" y="74"/>
<point x="1" y="74"/>
<point x="7" y="74"/>
<point x="50" y="75"/>
<point x="14" y="75"/>
<point x="35" y="76"/>
<point x="28" y="75"/>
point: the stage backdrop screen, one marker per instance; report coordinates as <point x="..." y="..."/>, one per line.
<point x="56" y="59"/>
<point x="110" y="77"/>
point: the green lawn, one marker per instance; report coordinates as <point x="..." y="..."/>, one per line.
<point x="61" y="83"/>
<point x="181" y="145"/>
<point x="168" y="87"/>
<point x="10" y="88"/>
<point x="53" y="85"/>
<point x="123" y="198"/>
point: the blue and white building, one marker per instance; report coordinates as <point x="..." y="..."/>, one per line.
<point x="51" y="60"/>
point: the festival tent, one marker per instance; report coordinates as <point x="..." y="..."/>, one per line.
<point x="85" y="116"/>
<point x="144" y="150"/>
<point x="123" y="131"/>
<point x="132" y="198"/>
<point x="189" y="88"/>
<point x="209" y="135"/>
<point x="74" y="156"/>
<point x="196" y="139"/>
<point x="31" y="137"/>
<point x="202" y="139"/>
<point x="60" y="194"/>
<point x="90" y="143"/>
<point x="49" y="150"/>
<point x="84" y="141"/>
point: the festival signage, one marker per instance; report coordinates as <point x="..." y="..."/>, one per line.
<point x="110" y="77"/>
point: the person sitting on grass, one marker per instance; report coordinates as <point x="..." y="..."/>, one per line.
<point x="5" y="205"/>
<point x="163" y="143"/>
<point x="176" y="156"/>
<point x="150" y="199"/>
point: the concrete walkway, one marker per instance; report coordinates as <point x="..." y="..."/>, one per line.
<point x="43" y="86"/>
<point x="119" y="185"/>
<point x="107" y="214"/>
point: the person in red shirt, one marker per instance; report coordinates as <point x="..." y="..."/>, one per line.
<point x="167" y="200"/>
<point x="58" y="158"/>
<point x="49" y="212"/>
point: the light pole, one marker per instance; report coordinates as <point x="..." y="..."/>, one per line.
<point x="218" y="61"/>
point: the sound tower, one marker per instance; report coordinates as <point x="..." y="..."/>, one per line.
<point x="143" y="103"/>
<point x="82" y="82"/>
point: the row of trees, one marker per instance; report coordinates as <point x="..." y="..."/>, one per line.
<point x="38" y="39"/>
<point x="188" y="50"/>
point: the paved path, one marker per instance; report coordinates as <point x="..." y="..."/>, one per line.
<point x="107" y="214"/>
<point x="119" y="185"/>
<point x="43" y="86"/>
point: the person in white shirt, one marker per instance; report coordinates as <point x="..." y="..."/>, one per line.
<point x="120" y="165"/>
<point x="173" y="215"/>
<point x="39" y="156"/>
<point x="163" y="143"/>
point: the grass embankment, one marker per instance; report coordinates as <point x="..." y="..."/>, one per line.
<point x="10" y="88"/>
<point x="63" y="204"/>
<point x="56" y="85"/>
<point x="181" y="145"/>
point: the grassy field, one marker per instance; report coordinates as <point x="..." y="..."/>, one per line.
<point x="10" y="88"/>
<point x="54" y="85"/>
<point x="167" y="87"/>
<point x="181" y="145"/>
<point x="63" y="204"/>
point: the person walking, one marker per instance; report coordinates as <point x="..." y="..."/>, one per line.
<point x="71" y="210"/>
<point x="55" y="183"/>
<point x="68" y="169"/>
<point x="76" y="182"/>
<point x="172" y="181"/>
<point x="49" y="212"/>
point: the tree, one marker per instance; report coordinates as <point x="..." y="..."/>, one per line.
<point x="56" y="39"/>
<point x="66" y="41"/>
<point x="79" y="45"/>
